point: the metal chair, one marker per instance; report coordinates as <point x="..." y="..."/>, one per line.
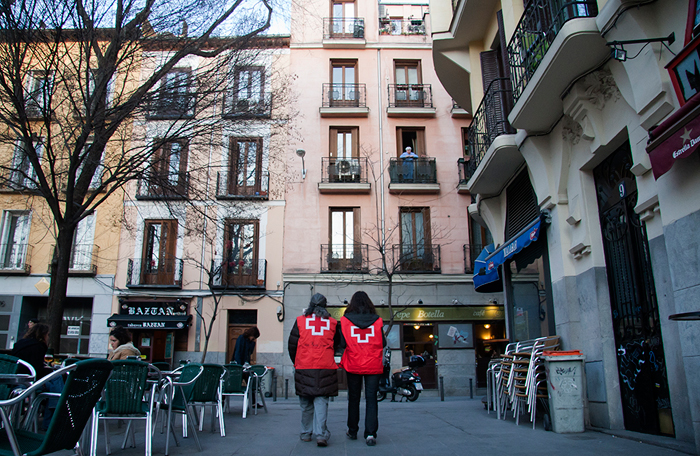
<point x="206" y="394"/>
<point x="86" y="380"/>
<point x="232" y="385"/>
<point x="257" y="372"/>
<point x="178" y="394"/>
<point x="125" y="398"/>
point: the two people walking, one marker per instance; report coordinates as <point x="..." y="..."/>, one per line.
<point x="314" y="339"/>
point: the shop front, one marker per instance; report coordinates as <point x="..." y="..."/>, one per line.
<point x="158" y="328"/>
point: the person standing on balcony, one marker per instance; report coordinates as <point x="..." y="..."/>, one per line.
<point x="407" y="158"/>
<point x="312" y="344"/>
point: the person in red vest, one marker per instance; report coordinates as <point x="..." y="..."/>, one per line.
<point x="312" y="344"/>
<point x="363" y="342"/>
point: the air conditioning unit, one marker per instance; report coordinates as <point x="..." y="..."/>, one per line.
<point x="347" y="168"/>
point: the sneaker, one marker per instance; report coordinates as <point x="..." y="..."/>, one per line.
<point x="305" y="437"/>
<point x="351" y="435"/>
<point x="322" y="442"/>
<point x="371" y="441"/>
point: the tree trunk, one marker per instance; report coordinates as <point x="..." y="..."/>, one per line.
<point x="60" y="264"/>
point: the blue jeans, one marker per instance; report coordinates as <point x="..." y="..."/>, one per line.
<point x="314" y="413"/>
<point x="371" y="408"/>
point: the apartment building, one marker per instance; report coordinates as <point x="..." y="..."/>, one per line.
<point x="359" y="216"/>
<point x="580" y="111"/>
<point x="201" y="249"/>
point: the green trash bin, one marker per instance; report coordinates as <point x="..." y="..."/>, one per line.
<point x="566" y="389"/>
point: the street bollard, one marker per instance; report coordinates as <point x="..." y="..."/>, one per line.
<point x="274" y="389"/>
<point x="286" y="388"/>
<point x="471" y="388"/>
<point x="442" y="388"/>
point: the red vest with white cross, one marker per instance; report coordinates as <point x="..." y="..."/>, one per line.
<point x="315" y="347"/>
<point x="364" y="348"/>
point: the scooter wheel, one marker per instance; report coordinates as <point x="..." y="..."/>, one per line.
<point x="380" y="396"/>
<point x="414" y="393"/>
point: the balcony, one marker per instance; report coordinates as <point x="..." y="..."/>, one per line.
<point x="15" y="258"/>
<point x="249" y="108"/>
<point x="555" y="42"/>
<point x="237" y="274"/>
<point x="415" y="259"/>
<point x="399" y="26"/>
<point x="493" y="153"/>
<point x="344" y="100"/>
<point x="83" y="260"/>
<point x="413" y="176"/>
<point x="171" y="107"/>
<point x="163" y="272"/>
<point x="410" y="100"/>
<point x="227" y="187"/>
<point x="344" y="175"/>
<point x="344" y="258"/>
<point x="343" y="32"/>
<point x="471" y="252"/>
<point x="465" y="170"/>
<point x="153" y="186"/>
<point x="458" y="112"/>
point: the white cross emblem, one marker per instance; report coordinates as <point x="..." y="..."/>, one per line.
<point x="359" y="333"/>
<point x="317" y="327"/>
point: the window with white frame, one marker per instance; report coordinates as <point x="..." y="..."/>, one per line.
<point x="23" y="174"/>
<point x="96" y="179"/>
<point x="14" y="239"/>
<point x="83" y="244"/>
<point x="38" y="92"/>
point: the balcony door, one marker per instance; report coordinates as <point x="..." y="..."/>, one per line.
<point x="416" y="251"/>
<point x="15" y="239"/>
<point x="241" y="253"/>
<point x="409" y="89"/>
<point x="344" y="163"/>
<point x="344" y="251"/>
<point x="244" y="170"/>
<point x="344" y="83"/>
<point x="343" y="18"/>
<point x="159" y="244"/>
<point x="83" y="243"/>
<point x="169" y="171"/>
<point x="249" y="83"/>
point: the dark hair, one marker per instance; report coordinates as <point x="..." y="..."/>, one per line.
<point x="38" y="332"/>
<point x="121" y="334"/>
<point x="361" y="304"/>
<point x="34" y="320"/>
<point x="252" y="331"/>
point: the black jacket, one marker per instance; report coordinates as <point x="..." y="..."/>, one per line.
<point x="32" y="351"/>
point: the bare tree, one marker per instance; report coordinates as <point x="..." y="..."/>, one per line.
<point x="71" y="88"/>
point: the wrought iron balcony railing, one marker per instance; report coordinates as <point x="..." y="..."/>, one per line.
<point x="471" y="251"/>
<point x="410" y="96"/>
<point x="171" y="107"/>
<point x="83" y="259"/>
<point x="229" y="186"/>
<point x="344" y="95"/>
<point x="389" y="26"/>
<point x="344" y="170"/>
<point x="344" y="258"/>
<point x="490" y="119"/>
<point x="416" y="258"/>
<point x="465" y="169"/>
<point x="537" y="29"/>
<point x="15" y="258"/>
<point x="249" y="106"/>
<point x="163" y="186"/>
<point x="238" y="273"/>
<point x="343" y="27"/>
<point x="421" y="170"/>
<point x="163" y="272"/>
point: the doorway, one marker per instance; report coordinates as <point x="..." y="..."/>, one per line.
<point x="238" y="322"/>
<point x="419" y="339"/>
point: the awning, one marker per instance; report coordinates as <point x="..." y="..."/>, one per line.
<point x="150" y="321"/>
<point x="486" y="265"/>
<point x="681" y="143"/>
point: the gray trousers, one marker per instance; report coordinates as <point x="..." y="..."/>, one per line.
<point x="314" y="413"/>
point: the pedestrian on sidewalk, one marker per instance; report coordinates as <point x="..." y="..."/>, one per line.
<point x="312" y="344"/>
<point x="363" y="342"/>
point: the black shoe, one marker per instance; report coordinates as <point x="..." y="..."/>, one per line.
<point x="322" y="442"/>
<point x="351" y="435"/>
<point x="371" y="441"/>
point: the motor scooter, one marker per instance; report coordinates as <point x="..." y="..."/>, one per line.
<point x="404" y="382"/>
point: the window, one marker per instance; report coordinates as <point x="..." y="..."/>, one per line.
<point x="344" y="91"/>
<point x="168" y="174"/>
<point x="416" y="249"/>
<point x="412" y="137"/>
<point x="91" y="86"/>
<point x="14" y="240"/>
<point x="38" y="96"/>
<point x="344" y="163"/>
<point x="344" y="251"/>
<point x="343" y="17"/>
<point x="248" y="90"/>
<point x="245" y="174"/>
<point x="83" y="244"/>
<point x="173" y="97"/>
<point x="158" y="258"/>
<point x="23" y="174"/>
<point x="241" y="253"/>
<point x="96" y="179"/>
<point x="409" y="87"/>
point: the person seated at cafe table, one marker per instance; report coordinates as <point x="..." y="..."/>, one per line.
<point x="120" y="345"/>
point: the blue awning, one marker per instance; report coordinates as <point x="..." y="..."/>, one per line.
<point x="486" y="265"/>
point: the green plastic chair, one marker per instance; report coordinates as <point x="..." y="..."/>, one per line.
<point x="257" y="372"/>
<point x="206" y="394"/>
<point x="125" y="399"/>
<point x="232" y="385"/>
<point x="83" y="388"/>
<point x="178" y="394"/>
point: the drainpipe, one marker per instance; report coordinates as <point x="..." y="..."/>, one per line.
<point x="380" y="192"/>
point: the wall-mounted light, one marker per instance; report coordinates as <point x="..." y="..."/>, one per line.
<point x="487" y="326"/>
<point x="345" y="301"/>
<point x="420" y="302"/>
<point x="430" y="336"/>
<point x="619" y="53"/>
<point x="416" y="327"/>
<point x="301" y="153"/>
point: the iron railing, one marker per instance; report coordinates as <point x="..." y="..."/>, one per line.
<point x="537" y="29"/>
<point x="471" y="252"/>
<point x="165" y="272"/>
<point x="344" y="170"/>
<point x="416" y="258"/>
<point x="171" y="107"/>
<point x="344" y="258"/>
<point x="410" y="96"/>
<point x="251" y="106"/>
<point x="237" y="273"/>
<point x="344" y="95"/>
<point x="83" y="259"/>
<point x="163" y="186"/>
<point x="227" y="188"/>
<point x="490" y="119"/>
<point x="389" y="26"/>
<point x="421" y="170"/>
<point x="343" y="27"/>
<point x="465" y="170"/>
<point x="15" y="257"/>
